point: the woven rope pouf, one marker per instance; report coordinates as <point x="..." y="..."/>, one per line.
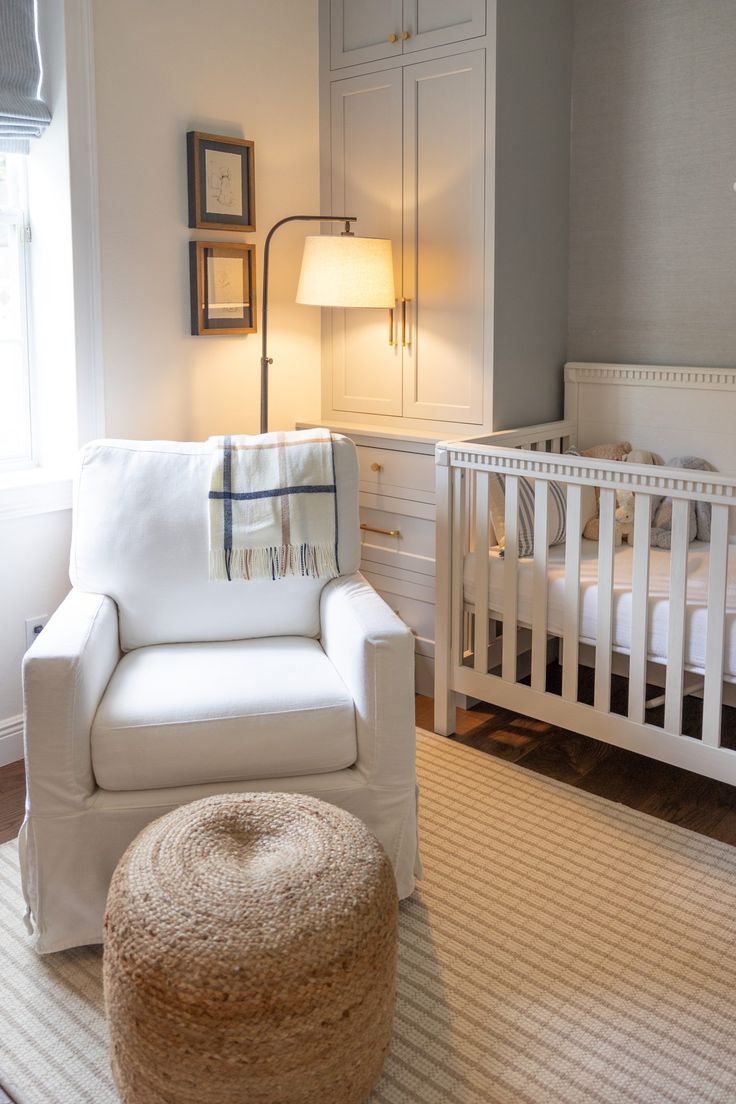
<point x="250" y="952"/>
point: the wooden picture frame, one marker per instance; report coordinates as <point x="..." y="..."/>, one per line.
<point x="221" y="179"/>
<point x="222" y="288"/>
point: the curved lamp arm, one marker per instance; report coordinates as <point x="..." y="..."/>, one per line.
<point x="265" y="359"/>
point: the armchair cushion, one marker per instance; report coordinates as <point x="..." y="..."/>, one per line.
<point x="185" y="714"/>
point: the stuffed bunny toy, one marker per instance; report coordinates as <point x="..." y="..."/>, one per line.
<point x="699" y="519"/>
<point x="613" y="451"/>
<point x="625" y="499"/>
<point x="624" y="524"/>
<point x="624" y="518"/>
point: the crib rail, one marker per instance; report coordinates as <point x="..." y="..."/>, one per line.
<point x="490" y="650"/>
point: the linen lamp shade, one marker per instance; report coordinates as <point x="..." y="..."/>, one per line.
<point x="346" y="271"/>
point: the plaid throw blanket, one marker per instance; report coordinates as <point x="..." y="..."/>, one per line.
<point x="273" y="506"/>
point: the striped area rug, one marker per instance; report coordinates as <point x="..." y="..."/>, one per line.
<point x="561" y="950"/>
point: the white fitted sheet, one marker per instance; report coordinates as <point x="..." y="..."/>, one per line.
<point x="659" y="576"/>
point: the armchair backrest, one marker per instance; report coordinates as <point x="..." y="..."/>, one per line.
<point x="140" y="535"/>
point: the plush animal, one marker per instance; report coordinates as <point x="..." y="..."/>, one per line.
<point x="625" y="498"/>
<point x="608" y="452"/>
<point x="613" y="451"/>
<point x="699" y="518"/>
<point x="642" y="456"/>
<point x="624" y="524"/>
<point x="624" y="518"/>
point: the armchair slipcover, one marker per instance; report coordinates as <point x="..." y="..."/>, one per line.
<point x="151" y="686"/>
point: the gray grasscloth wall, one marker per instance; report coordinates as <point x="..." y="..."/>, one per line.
<point x="532" y="177"/>
<point x="653" y="210"/>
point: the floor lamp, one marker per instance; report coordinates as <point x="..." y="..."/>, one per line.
<point x="337" y="271"/>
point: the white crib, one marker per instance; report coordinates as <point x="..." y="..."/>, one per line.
<point x="663" y="618"/>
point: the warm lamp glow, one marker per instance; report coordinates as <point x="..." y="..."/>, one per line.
<point x="346" y="271"/>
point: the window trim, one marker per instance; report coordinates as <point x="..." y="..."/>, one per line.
<point x="18" y="217"/>
<point x="44" y="489"/>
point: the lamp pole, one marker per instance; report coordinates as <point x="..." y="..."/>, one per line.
<point x="265" y="359"/>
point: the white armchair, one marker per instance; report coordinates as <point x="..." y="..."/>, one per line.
<point x="151" y="686"/>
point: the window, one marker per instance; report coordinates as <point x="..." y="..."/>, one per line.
<point x="16" y="438"/>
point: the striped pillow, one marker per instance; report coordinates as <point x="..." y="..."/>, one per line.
<point x="556" y="513"/>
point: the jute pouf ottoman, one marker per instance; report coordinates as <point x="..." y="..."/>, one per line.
<point x="250" y="950"/>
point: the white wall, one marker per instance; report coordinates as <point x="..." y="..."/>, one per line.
<point x="240" y="67"/>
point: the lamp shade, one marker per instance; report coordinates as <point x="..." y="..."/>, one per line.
<point x="346" y="271"/>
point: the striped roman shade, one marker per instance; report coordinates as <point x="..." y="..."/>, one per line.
<point x="23" y="114"/>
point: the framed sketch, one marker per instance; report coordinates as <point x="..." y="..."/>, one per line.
<point x="221" y="176"/>
<point x="222" y="288"/>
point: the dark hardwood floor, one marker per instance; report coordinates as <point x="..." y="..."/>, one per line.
<point x="12" y="797"/>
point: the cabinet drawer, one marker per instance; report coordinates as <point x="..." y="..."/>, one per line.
<point x="416" y="535"/>
<point x="396" y="474"/>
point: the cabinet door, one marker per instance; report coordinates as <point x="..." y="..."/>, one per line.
<point x="361" y="31"/>
<point x="437" y="22"/>
<point x="444" y="230"/>
<point x="366" y="182"/>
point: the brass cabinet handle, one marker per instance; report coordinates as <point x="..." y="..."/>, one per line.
<point x="404" y="35"/>
<point x="393" y="38"/>
<point x="405" y="339"/>
<point x="391" y="327"/>
<point x="384" y="532"/>
<point x="376" y="467"/>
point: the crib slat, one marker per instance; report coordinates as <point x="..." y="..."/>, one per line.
<point x="717" y="583"/>
<point x="602" y="694"/>
<point x="539" y="593"/>
<point x="571" y="619"/>
<point x="458" y="558"/>
<point x="482" y="544"/>
<point x="510" y="579"/>
<point x="674" y="682"/>
<point x="639" y="607"/>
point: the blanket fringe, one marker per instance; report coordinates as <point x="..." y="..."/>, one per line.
<point x="316" y="560"/>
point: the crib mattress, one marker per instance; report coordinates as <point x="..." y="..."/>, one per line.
<point x="659" y="577"/>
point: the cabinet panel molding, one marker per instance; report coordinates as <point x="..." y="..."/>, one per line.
<point x="366" y="181"/>
<point x="439" y="22"/>
<point x="444" y="237"/>
<point x="361" y="31"/>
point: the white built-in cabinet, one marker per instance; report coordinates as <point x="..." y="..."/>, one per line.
<point x="372" y="30"/>
<point x="444" y="127"/>
<point x="407" y="157"/>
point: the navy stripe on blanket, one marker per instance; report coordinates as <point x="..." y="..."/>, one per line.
<point x="327" y="488"/>
<point x="227" y="520"/>
<point x="334" y="480"/>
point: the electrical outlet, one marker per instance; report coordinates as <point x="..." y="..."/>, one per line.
<point x="34" y="626"/>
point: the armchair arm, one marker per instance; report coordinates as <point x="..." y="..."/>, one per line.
<point x="65" y="673"/>
<point x="373" y="652"/>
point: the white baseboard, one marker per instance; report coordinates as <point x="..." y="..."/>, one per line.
<point x="11" y="740"/>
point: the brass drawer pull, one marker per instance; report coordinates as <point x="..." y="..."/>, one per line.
<point x="384" y="532"/>
<point x="376" y="467"/>
<point x="404" y="35"/>
<point x="393" y="38"/>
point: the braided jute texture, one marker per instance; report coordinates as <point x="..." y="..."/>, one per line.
<point x="250" y="955"/>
